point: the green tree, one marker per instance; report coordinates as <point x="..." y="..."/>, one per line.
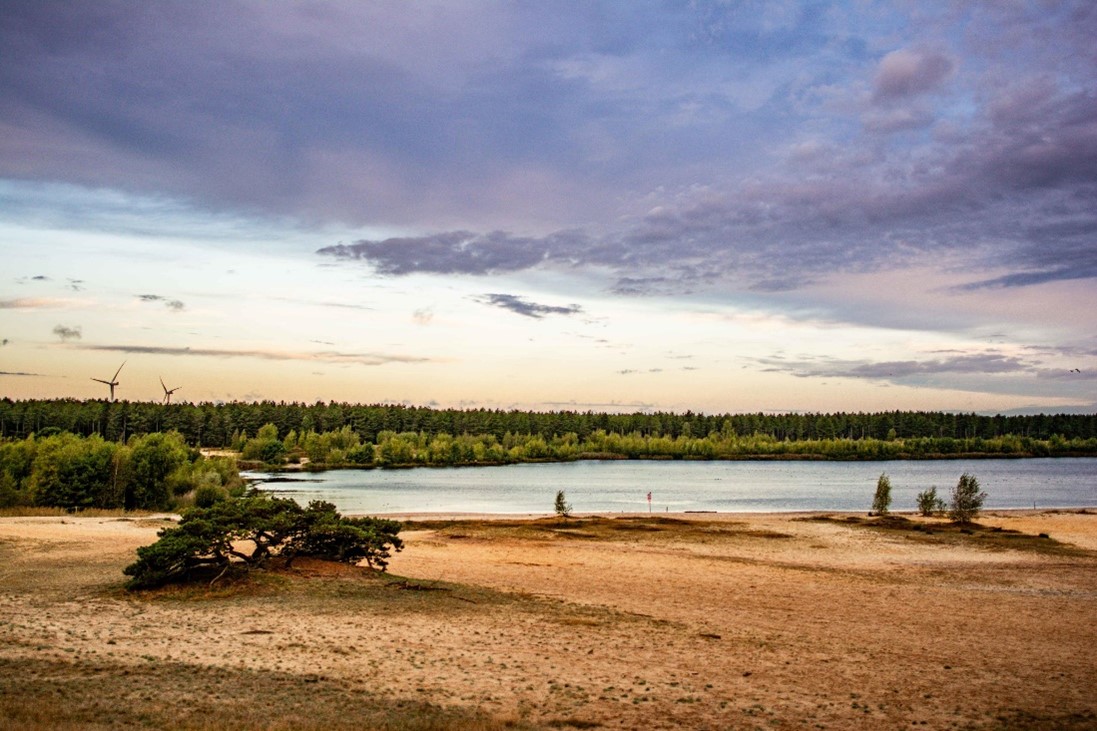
<point x="267" y="431"/>
<point x="967" y="500"/>
<point x="881" y="501"/>
<point x="206" y="495"/>
<point x="562" y="506"/>
<point x="361" y="455"/>
<point x="247" y="532"/>
<point x="10" y="495"/>
<point x="73" y="472"/>
<point x="265" y="447"/>
<point x="929" y="503"/>
<point x="324" y="533"/>
<point x="154" y="460"/>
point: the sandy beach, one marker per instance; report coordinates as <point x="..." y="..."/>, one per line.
<point x="700" y="621"/>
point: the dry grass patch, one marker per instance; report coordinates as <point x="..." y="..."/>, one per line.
<point x="49" y="694"/>
<point x="28" y="511"/>
<point x="325" y="587"/>
<point x="970" y="535"/>
<point x="595" y="528"/>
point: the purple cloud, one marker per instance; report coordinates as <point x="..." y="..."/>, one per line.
<point x="456" y="252"/>
<point x="667" y="148"/>
<point x="909" y="72"/>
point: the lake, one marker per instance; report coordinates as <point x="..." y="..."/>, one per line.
<point x="750" y="486"/>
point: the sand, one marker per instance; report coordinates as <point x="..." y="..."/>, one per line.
<point x="724" y="621"/>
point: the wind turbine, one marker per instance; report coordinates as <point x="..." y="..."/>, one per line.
<point x="168" y="391"/>
<point x="113" y="381"/>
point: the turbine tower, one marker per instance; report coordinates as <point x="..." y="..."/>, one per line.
<point x="112" y="382"/>
<point x="168" y="391"/>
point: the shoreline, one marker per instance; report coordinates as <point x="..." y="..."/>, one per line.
<point x="60" y="515"/>
<point x="706" y="514"/>
<point x="307" y="467"/>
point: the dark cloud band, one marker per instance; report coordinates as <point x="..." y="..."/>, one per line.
<point x="522" y="306"/>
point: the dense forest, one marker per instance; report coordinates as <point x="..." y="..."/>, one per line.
<point x="154" y="471"/>
<point x="831" y="435"/>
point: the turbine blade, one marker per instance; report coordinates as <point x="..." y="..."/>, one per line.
<point x="119" y="370"/>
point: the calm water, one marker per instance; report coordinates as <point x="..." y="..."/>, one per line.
<point x="613" y="486"/>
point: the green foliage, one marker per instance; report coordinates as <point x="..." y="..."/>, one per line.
<point x="248" y="531"/>
<point x="267" y="432"/>
<point x="328" y="535"/>
<point x="157" y="470"/>
<point x="891" y="434"/>
<point x="329" y="434"/>
<point x="206" y="495"/>
<point x="269" y="451"/>
<point x="10" y="495"/>
<point x="219" y="471"/>
<point x="929" y="504"/>
<point x="70" y="471"/>
<point x="967" y="500"/>
<point x="17" y="458"/>
<point x="881" y="501"/>
<point x="361" y="455"/>
<point x="562" y="506"/>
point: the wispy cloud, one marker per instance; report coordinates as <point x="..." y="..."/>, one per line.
<point x="326" y="303"/>
<point x="984" y="364"/>
<point x="990" y="372"/>
<point x="33" y="303"/>
<point x="368" y="359"/>
<point x="614" y="406"/>
<point x="522" y="306"/>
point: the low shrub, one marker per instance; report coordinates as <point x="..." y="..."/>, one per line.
<point x="209" y="539"/>
<point x="929" y="504"/>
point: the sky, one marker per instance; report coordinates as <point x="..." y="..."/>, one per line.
<point x="717" y="206"/>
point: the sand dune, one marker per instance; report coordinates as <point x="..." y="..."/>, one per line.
<point x="704" y="621"/>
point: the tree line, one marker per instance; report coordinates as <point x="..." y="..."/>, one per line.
<point x="157" y="471"/>
<point x="218" y="424"/>
<point x="346" y="448"/>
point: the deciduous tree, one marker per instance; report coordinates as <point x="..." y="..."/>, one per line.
<point x="881" y="501"/>
<point x="967" y="500"/>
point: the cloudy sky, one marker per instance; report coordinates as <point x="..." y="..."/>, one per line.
<point x="711" y="205"/>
